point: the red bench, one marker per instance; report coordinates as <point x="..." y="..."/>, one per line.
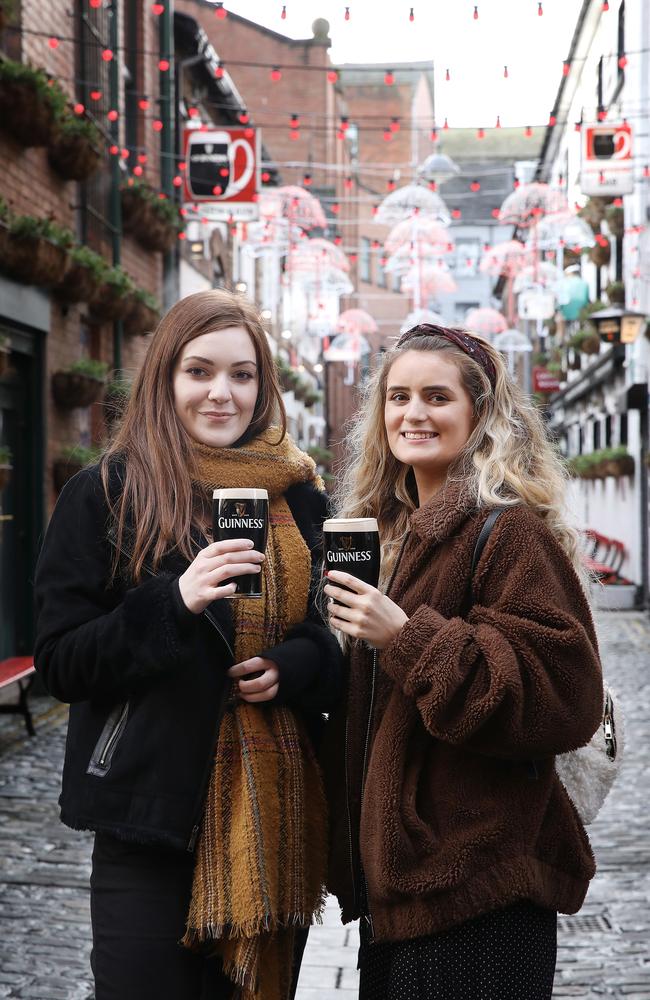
<point x="20" y="670"/>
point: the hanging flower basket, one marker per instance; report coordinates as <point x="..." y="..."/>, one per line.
<point x="36" y="251"/>
<point x="600" y="253"/>
<point x="71" y="461"/>
<point x="84" y="276"/>
<point x="590" y="344"/>
<point x="77" y="148"/>
<point x="594" y="212"/>
<point x="143" y="316"/>
<point x="30" y="103"/>
<point x="113" y="299"/>
<point x="79" y="385"/>
<point x="615" y="292"/>
<point x="153" y="219"/>
<point x="615" y="218"/>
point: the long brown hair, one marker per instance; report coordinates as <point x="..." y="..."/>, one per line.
<point x="508" y="458"/>
<point x="156" y="506"/>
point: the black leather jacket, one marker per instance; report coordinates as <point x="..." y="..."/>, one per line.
<point x="146" y="678"/>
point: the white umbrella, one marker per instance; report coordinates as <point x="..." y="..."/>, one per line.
<point x="512" y="342"/>
<point x="542" y="273"/>
<point x="419" y="316"/>
<point x="412" y="199"/>
<point x="347" y="347"/>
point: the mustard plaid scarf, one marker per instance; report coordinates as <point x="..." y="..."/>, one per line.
<point x="261" y="853"/>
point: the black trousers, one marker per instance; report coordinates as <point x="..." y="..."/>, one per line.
<point x="507" y="954"/>
<point x="139" y="898"/>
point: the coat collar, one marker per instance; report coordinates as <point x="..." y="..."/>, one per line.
<point x="443" y="513"/>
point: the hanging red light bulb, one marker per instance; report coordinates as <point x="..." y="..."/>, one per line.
<point x="540" y="9"/>
<point x="181" y="167"/>
<point x="411" y="15"/>
<point x="486" y="246"/>
<point x="475" y="186"/>
<point x="138" y="171"/>
<point x="516" y="183"/>
<point x="335" y="208"/>
<point x="480" y="133"/>
<point x="389" y="78"/>
<point x="163" y="65"/>
<point x="578" y="127"/>
<point x="498" y="122"/>
<point x="307" y="180"/>
<point x="602" y="114"/>
<point x="78" y="109"/>
<point x="475" y="15"/>
<point x="375" y="244"/>
<point x="528" y="131"/>
<point x="244" y="117"/>
<point x="560" y="180"/>
<point x="353" y="258"/>
<point x="347" y="14"/>
<point x="332" y="75"/>
<point x="221" y="12"/>
<point x="375" y="209"/>
<point x="552" y="120"/>
<point x="95" y="3"/>
<point x="112" y="115"/>
<point x="143" y="104"/>
<point x="344" y="123"/>
<point x="283" y="14"/>
<point x="388" y="135"/>
<point x="107" y="55"/>
<point x="601" y="180"/>
<point x="646" y="171"/>
<point x="391" y="185"/>
<point x="622" y="61"/>
<point x="114" y="150"/>
<point x="142" y="157"/>
<point x="495" y="213"/>
<point x="219" y="71"/>
<point x="456" y="213"/>
<point x="446" y="125"/>
<point x="394" y="125"/>
<point x="157" y="125"/>
<point x="53" y="42"/>
<point x="340" y="134"/>
<point x="95" y="95"/>
<point x="338" y="240"/>
<point x="566" y="67"/>
<point x="618" y="202"/>
<point x="193" y="112"/>
<point x="276" y="74"/>
<point x="266" y="177"/>
<point x="505" y="72"/>
<point x="434" y="135"/>
<point x="447" y="75"/>
<point x="177" y="181"/>
<point x="223" y="172"/>
<point x="217" y="190"/>
<point x="383" y="261"/>
<point x="249" y="132"/>
<point x="605" y="6"/>
<point x="294" y="122"/>
<point x="347" y="183"/>
<point x="157" y="9"/>
<point x="294" y="134"/>
<point x="433" y="186"/>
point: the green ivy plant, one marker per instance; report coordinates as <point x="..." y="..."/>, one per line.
<point x="6" y="456"/>
<point x="48" y="90"/>
<point x="81" y="455"/>
<point x="31" y="227"/>
<point x="89" y="367"/>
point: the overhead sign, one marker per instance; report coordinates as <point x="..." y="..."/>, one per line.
<point x="544" y="380"/>
<point x="607" y="165"/>
<point x="221" y="173"/>
<point x="535" y="303"/>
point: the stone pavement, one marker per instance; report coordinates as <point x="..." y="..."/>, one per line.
<point x="44" y="922"/>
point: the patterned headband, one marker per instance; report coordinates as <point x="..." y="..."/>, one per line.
<point x="468" y="344"/>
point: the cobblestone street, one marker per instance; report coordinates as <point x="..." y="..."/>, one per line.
<point x="44" y="920"/>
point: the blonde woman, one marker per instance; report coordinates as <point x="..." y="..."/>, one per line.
<point x="193" y="717"/>
<point x="452" y="837"/>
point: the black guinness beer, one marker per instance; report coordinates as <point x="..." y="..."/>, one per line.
<point x="242" y="513"/>
<point x="352" y="545"/>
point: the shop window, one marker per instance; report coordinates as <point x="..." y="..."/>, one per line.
<point x="596" y="435"/>
<point x="365" y="261"/>
<point x="608" y="431"/>
<point x="622" y="429"/>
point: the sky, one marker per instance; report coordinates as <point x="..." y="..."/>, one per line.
<point x="475" y="51"/>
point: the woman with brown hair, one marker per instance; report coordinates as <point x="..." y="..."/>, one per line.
<point x="472" y="665"/>
<point x="193" y="717"/>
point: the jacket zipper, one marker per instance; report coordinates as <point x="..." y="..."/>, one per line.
<point x="191" y="844"/>
<point x="367" y="915"/>
<point x="113" y="737"/>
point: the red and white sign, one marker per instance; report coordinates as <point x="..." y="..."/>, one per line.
<point x="221" y="173"/>
<point x="607" y="163"/>
<point x="544" y="380"/>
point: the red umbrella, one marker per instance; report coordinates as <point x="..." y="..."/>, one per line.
<point x="529" y="203"/>
<point x="356" y="321"/>
<point x="505" y="258"/>
<point x="485" y="321"/>
<point x="293" y="203"/>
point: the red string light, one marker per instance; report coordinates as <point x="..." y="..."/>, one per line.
<point x="217" y="189"/>
<point x="177" y="181"/>
<point x="157" y="9"/>
<point x="605" y="6"/>
<point x="411" y="15"/>
<point x="143" y="104"/>
<point x="434" y="135"/>
<point x="142" y="157"/>
<point x="456" y="213"/>
<point x="475" y="15"/>
<point x="446" y="125"/>
<point x="78" y="109"/>
<point x="433" y="186"/>
<point x="344" y="124"/>
<point x="335" y="208"/>
<point x="112" y="115"/>
<point x="95" y="95"/>
<point x="95" y="3"/>
<point x="163" y="65"/>
<point x="347" y="14"/>
<point x="138" y="171"/>
<point x="622" y="62"/>
<point x="498" y="122"/>
<point x="389" y="78"/>
<point x="475" y="186"/>
<point x="249" y="133"/>
<point x="391" y="185"/>
<point x="602" y="114"/>
<point x="505" y="72"/>
<point x="113" y="150"/>
<point x="266" y="177"/>
<point x="276" y="74"/>
<point x="578" y="127"/>
<point x="332" y="75"/>
<point x="495" y="213"/>
<point x="552" y="120"/>
<point x="157" y="125"/>
<point x="394" y="125"/>
<point x="244" y="117"/>
<point x="516" y="183"/>
<point x="480" y="133"/>
<point x="388" y="135"/>
<point x="540" y="9"/>
<point x="347" y="183"/>
<point x="283" y="15"/>
<point x="307" y="180"/>
<point x="193" y="112"/>
<point x="221" y="12"/>
<point x="528" y="132"/>
<point x="53" y="42"/>
<point x="646" y="171"/>
<point x="447" y="75"/>
<point x="219" y="71"/>
<point x="566" y="67"/>
<point x="107" y="55"/>
<point x="294" y="122"/>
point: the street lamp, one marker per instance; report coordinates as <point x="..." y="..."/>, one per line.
<point x="617" y="325"/>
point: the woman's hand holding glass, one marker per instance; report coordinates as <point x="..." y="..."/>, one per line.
<point x="364" y="612"/>
<point x="203" y="580"/>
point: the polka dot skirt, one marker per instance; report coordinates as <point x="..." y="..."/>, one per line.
<point x="507" y="954"/>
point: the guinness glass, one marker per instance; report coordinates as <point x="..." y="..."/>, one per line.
<point x="352" y="546"/>
<point x="242" y="513"/>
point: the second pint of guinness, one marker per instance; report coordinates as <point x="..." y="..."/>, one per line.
<point x="352" y="546"/>
<point x="242" y="513"/>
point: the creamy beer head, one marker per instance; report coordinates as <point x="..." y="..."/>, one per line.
<point x="351" y="544"/>
<point x="242" y="513"/>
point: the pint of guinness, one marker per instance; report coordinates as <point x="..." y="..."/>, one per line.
<point x="242" y="513"/>
<point x="352" y="545"/>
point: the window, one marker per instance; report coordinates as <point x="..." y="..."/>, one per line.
<point x="596" y="435"/>
<point x="466" y="258"/>
<point x="622" y="429"/>
<point x="381" y="274"/>
<point x="608" y="431"/>
<point x="365" y="261"/>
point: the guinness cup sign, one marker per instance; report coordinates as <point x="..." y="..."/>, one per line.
<point x="242" y="513"/>
<point x="352" y="545"/>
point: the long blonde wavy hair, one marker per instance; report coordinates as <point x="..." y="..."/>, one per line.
<point x="507" y="459"/>
<point x="157" y="506"/>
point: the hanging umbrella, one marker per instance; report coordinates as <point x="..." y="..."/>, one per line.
<point x="485" y="321"/>
<point x="347" y="347"/>
<point x="505" y="258"/>
<point x="293" y="203"/>
<point x="529" y="203"/>
<point x="418" y="229"/>
<point x="356" y="321"/>
<point x="418" y="316"/>
<point x="412" y="199"/>
<point x="542" y="273"/>
<point x="315" y="254"/>
<point x="408" y="256"/>
<point x="431" y="279"/>
<point x="512" y="342"/>
<point x="269" y="236"/>
<point x="565" y="227"/>
<point x="331" y="281"/>
<point x="438" y="167"/>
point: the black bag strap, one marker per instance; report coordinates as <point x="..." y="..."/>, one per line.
<point x="481" y="541"/>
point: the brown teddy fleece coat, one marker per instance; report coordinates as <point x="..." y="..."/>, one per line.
<point x="461" y="810"/>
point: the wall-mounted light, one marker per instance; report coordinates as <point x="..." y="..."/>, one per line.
<point x="318" y="367"/>
<point x="241" y="286"/>
<point x="286" y="334"/>
<point x="197" y="248"/>
<point x="266" y="314"/>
